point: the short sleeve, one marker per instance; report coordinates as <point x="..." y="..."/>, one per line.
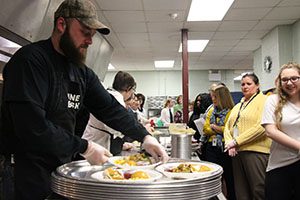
<point x="268" y="116"/>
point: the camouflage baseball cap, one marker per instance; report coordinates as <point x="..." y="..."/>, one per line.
<point x="84" y="11"/>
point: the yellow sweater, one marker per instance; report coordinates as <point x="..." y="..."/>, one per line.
<point x="206" y="127"/>
<point x="252" y="135"/>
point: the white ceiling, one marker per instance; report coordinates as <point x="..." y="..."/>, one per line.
<point x="142" y="31"/>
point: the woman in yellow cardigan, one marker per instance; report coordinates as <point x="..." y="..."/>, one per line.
<point x="247" y="142"/>
<point x="213" y="129"/>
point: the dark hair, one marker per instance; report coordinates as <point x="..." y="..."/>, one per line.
<point x="252" y="76"/>
<point x="123" y="82"/>
<point x="178" y="97"/>
<point x="205" y="102"/>
<point x="140" y="96"/>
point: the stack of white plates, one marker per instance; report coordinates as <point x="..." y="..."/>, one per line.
<point x="79" y="180"/>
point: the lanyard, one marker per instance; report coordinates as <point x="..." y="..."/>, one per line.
<point x="239" y="113"/>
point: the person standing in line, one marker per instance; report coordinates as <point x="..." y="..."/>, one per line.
<point x="177" y="110"/>
<point x="201" y="104"/>
<point x="213" y="129"/>
<point x="45" y="85"/>
<point x="281" y="119"/>
<point x="142" y="99"/>
<point x="167" y="115"/>
<point x="246" y="141"/>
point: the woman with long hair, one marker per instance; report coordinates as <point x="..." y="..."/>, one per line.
<point x="213" y="129"/>
<point x="281" y="119"/>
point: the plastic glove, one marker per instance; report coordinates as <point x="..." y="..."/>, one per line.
<point x="96" y="154"/>
<point x="153" y="147"/>
<point x="127" y="146"/>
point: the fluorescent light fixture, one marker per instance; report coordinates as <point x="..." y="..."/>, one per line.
<point x="239" y="78"/>
<point x="208" y="10"/>
<point x="111" y="67"/>
<point x="7" y="43"/>
<point x="4" y="58"/>
<point x="195" y="45"/>
<point x="164" y="63"/>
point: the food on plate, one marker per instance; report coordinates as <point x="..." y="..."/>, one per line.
<point x="135" y="160"/>
<point x="113" y="173"/>
<point x="189" y="168"/>
<point x="119" y="174"/>
<point x="139" y="175"/>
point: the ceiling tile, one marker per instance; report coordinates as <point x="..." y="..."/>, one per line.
<point x="256" y="34"/>
<point x="229" y="43"/>
<point x="284" y="13"/>
<point x="255" y="3"/>
<point x="289" y="3"/>
<point x="119" y="4"/>
<point x="160" y="27"/>
<point x="237" y="25"/>
<point x="164" y="15"/>
<point x="166" y="4"/>
<point x="202" y="26"/>
<point x="270" y="24"/>
<point x="124" y="16"/>
<point x="246" y="14"/>
<point x="229" y="35"/>
<point x="130" y="27"/>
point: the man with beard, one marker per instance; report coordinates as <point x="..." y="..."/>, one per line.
<point x="45" y="85"/>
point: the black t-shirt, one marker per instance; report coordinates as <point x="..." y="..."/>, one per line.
<point x="43" y="92"/>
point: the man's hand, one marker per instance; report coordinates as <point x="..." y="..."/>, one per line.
<point x="153" y="147"/>
<point x="96" y="154"/>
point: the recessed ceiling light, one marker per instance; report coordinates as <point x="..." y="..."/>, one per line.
<point x="208" y="10"/>
<point x="195" y="45"/>
<point x="164" y="63"/>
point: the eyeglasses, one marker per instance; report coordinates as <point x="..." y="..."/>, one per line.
<point x="133" y="88"/>
<point x="293" y="79"/>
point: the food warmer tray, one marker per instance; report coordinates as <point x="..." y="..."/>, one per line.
<point x="73" y="180"/>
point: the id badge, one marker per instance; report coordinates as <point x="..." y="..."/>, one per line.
<point x="235" y="132"/>
<point x="214" y="142"/>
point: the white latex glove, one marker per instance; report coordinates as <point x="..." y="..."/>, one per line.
<point x="153" y="147"/>
<point x="127" y="146"/>
<point x="96" y="154"/>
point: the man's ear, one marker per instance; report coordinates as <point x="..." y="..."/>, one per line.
<point x="61" y="24"/>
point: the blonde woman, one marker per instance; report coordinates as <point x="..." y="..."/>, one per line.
<point x="167" y="113"/>
<point x="247" y="142"/>
<point x="213" y="129"/>
<point x="281" y="119"/>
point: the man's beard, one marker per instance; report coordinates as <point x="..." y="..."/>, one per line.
<point x="73" y="53"/>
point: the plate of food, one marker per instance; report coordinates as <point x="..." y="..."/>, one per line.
<point x="134" y="161"/>
<point x="127" y="176"/>
<point x="186" y="170"/>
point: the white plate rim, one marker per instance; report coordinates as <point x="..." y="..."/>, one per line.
<point x="161" y="168"/>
